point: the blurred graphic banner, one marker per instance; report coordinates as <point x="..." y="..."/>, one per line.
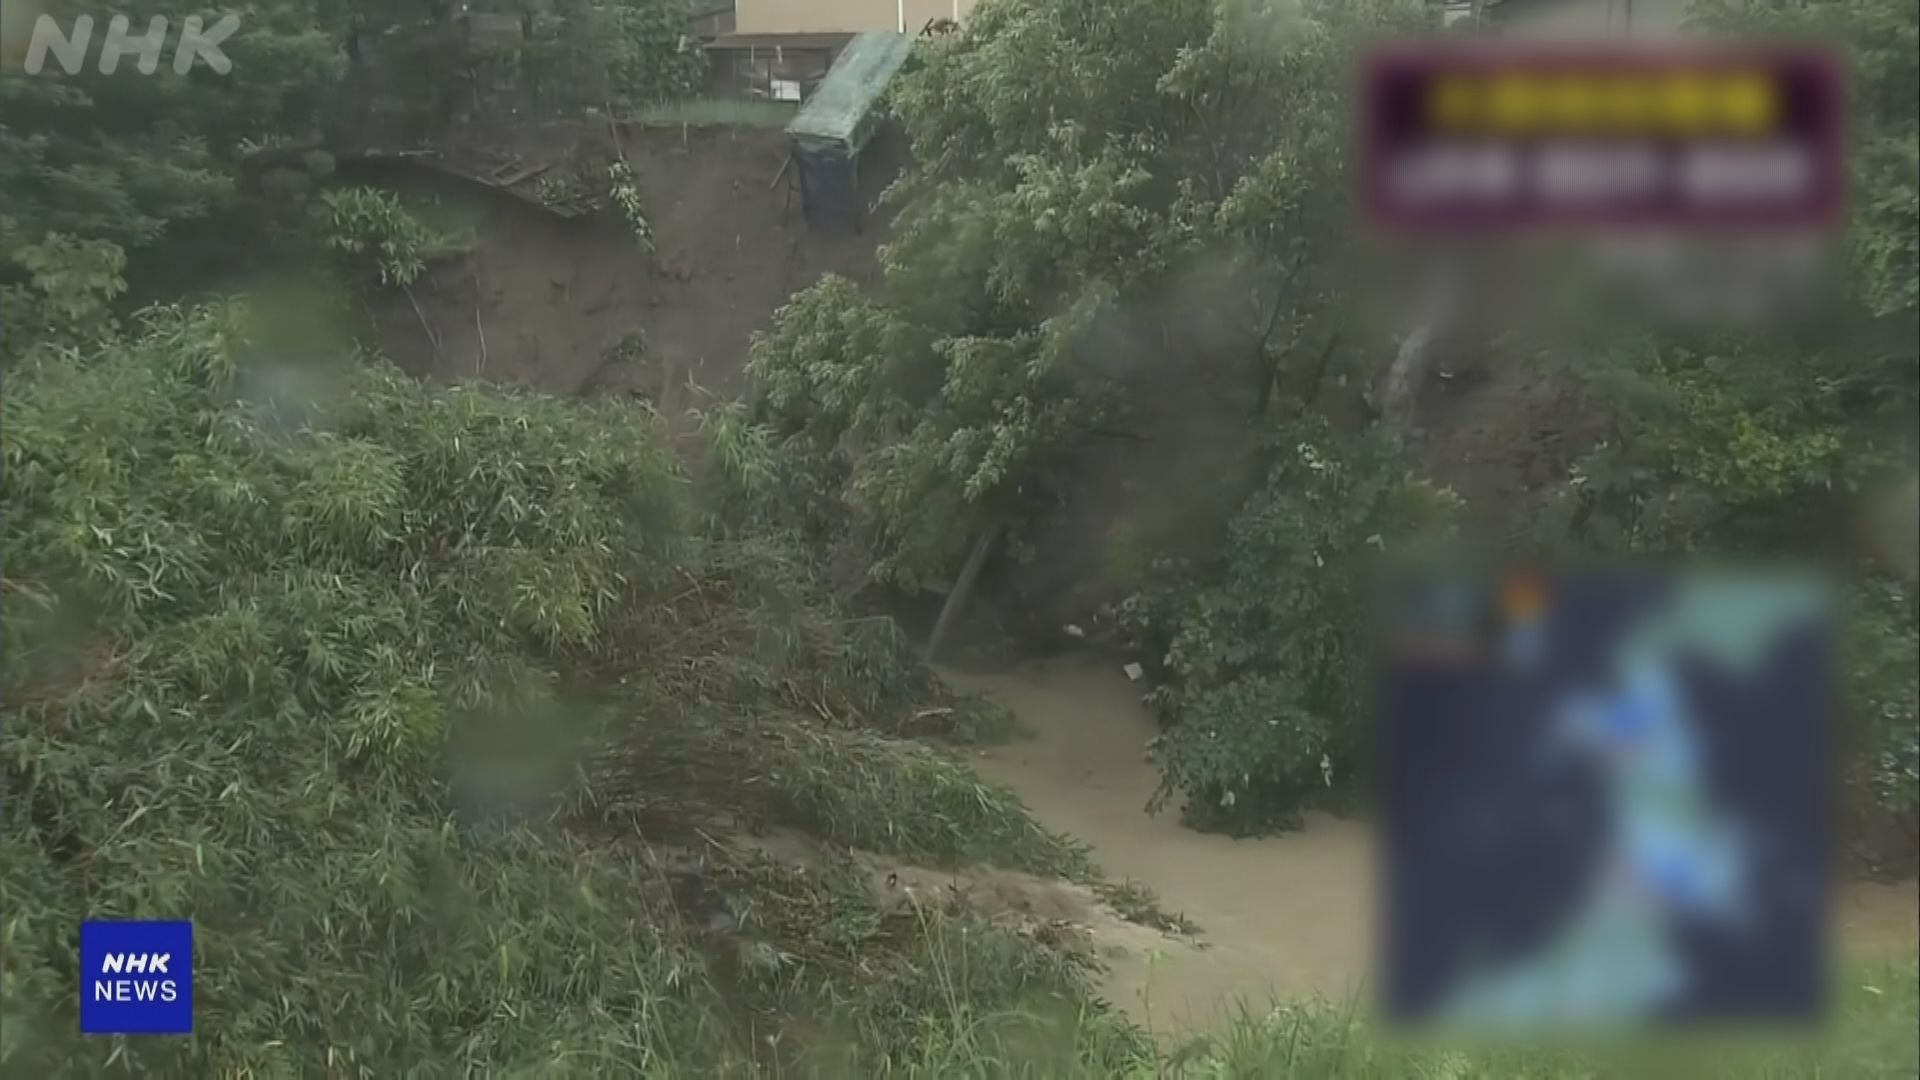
<point x="1516" y="135"/>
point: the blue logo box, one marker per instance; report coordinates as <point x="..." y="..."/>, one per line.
<point x="136" y="978"/>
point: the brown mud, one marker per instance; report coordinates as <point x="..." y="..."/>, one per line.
<point x="542" y="302"/>
<point x="1286" y="915"/>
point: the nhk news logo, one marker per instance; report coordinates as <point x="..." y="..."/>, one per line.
<point x="136" y="978"/>
<point x="42" y="37"/>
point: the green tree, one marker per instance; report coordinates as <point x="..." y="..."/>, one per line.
<point x="1261" y="639"/>
<point x="127" y="157"/>
<point x="67" y="297"/>
<point x="379" y="237"/>
<point x="1074" y="162"/>
<point x="1115" y="210"/>
<point x="119" y="157"/>
<point x="1774" y="441"/>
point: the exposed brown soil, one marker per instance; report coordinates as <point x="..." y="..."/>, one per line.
<point x="1502" y="433"/>
<point x="542" y="301"/>
<point x="1503" y="436"/>
<point x="1127" y="952"/>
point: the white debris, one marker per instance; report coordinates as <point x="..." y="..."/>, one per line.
<point x="1135" y="672"/>
<point x="1074" y="631"/>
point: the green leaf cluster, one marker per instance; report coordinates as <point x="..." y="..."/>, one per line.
<point x="1262" y="640"/>
<point x="1783" y="441"/>
<point x="125" y="156"/>
<point x="377" y="233"/>
<point x="1076" y="166"/>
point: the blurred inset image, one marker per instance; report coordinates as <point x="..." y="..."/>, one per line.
<point x="1619" y="819"/>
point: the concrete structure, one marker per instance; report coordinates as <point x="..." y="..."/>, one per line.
<point x="711" y="18"/>
<point x="843" y="16"/>
<point x="770" y="67"/>
<point x="1586" y="18"/>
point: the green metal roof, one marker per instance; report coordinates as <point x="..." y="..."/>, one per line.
<point x="840" y="111"/>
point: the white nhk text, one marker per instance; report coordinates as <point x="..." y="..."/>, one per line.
<point x="144" y="978"/>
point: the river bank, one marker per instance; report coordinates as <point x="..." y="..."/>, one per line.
<point x="1286" y="916"/>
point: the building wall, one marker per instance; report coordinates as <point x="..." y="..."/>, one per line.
<point x="1589" y="18"/>
<point x="841" y="16"/>
<point x="711" y="19"/>
<point x="755" y="73"/>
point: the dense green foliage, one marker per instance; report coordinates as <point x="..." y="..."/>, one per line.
<point x="1106" y="208"/>
<point x="377" y="234"/>
<point x="427" y="705"/>
<point x="1109" y="209"/>
<point x="235" y="640"/>
<point x="1785" y="441"/>
<point x="379" y="684"/>
<point x="1074" y="165"/>
<point x="125" y="157"/>
<point x="1760" y="448"/>
<point x="66" y="297"/>
<point x="1265" y="653"/>
<point x="531" y="57"/>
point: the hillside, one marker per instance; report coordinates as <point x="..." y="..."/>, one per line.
<point x="440" y="707"/>
<point x="539" y="609"/>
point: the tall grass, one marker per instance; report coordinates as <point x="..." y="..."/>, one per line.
<point x="1874" y="1032"/>
<point x="409" y="699"/>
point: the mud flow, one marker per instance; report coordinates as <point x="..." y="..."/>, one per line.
<point x="1284" y="916"/>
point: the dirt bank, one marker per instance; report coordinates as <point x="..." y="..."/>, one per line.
<point x="541" y="301"/>
<point x="1288" y="914"/>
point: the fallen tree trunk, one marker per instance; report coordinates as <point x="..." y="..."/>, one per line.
<point x="1409" y="370"/>
<point x="1441" y="308"/>
<point x="957" y="596"/>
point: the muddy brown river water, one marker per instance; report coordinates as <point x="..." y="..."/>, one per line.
<point x="1281" y="916"/>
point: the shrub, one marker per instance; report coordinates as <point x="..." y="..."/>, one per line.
<point x="624" y="190"/>
<point x="1262" y="642"/>
<point x="387" y="688"/>
<point x="241" y="621"/>
<point x="378" y="234"/>
<point x="66" y="297"/>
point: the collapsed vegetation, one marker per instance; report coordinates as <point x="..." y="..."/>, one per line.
<point x="412" y="697"/>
